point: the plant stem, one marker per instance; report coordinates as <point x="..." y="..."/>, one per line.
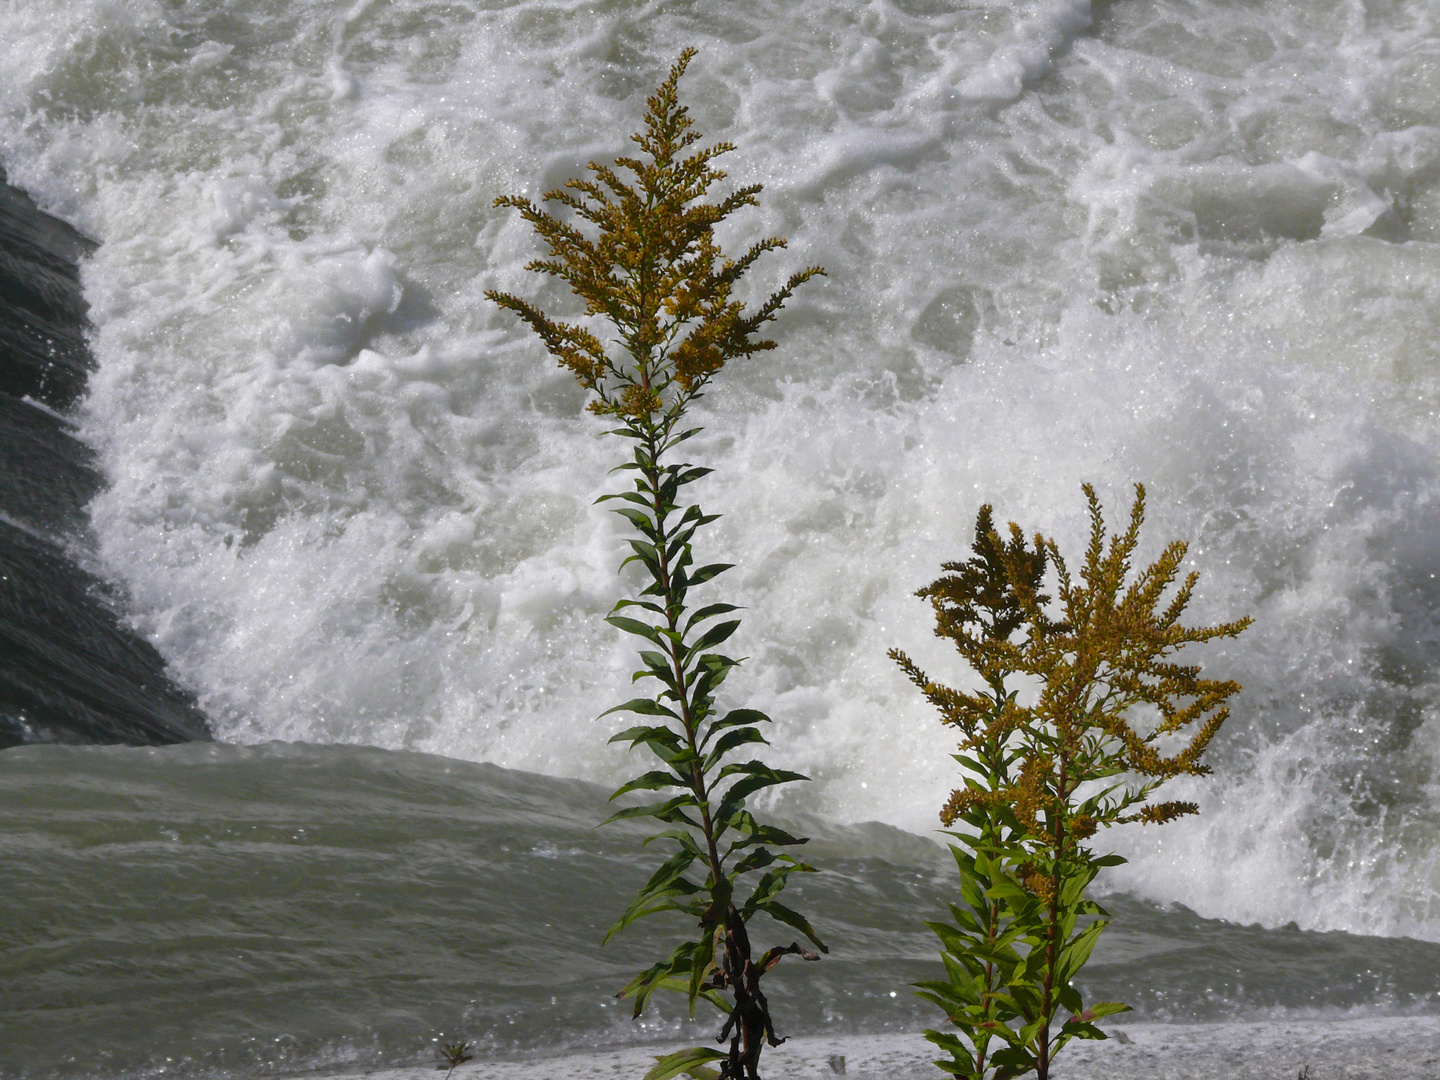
<point x="1052" y="929"/>
<point x="750" y="1028"/>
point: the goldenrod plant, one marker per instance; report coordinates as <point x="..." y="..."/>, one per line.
<point x="1082" y="714"/>
<point x="640" y="252"/>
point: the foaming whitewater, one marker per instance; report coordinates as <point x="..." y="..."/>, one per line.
<point x="1192" y="246"/>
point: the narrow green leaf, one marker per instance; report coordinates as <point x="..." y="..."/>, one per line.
<point x="669" y="811"/>
<point x="637" y="735"/>
<point x="731" y="739"/>
<point x="644" y="551"/>
<point x="636" y="627"/>
<point x="1073" y="955"/>
<point x="708" y="612"/>
<point x="715" y="635"/>
<point x="640" y="519"/>
<point x="740" y="716"/>
<point x="679" y="836"/>
<point x="628" y="496"/>
<point x="679" y="540"/>
<point x="780" y="913"/>
<point x="755" y="860"/>
<point x="643" y="707"/>
<point x="645" y="604"/>
<point x="759" y="776"/>
<point x="652" y="905"/>
<point x="705" y="573"/>
<point x="651" y="781"/>
<point x="671" y="869"/>
<point x="752" y="832"/>
<point x="1104" y="1009"/>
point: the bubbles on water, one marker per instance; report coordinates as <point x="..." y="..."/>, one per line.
<point x="948" y="322"/>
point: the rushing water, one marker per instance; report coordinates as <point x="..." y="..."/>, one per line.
<point x="1189" y="244"/>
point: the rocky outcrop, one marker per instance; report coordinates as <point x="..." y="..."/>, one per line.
<point x="70" y="670"/>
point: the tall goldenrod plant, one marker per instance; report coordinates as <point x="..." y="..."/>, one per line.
<point x="1108" y="716"/>
<point x="641" y="254"/>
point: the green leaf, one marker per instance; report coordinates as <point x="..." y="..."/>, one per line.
<point x="735" y="737"/>
<point x="670" y="811"/>
<point x="780" y="913"/>
<point x="1029" y="1032"/>
<point x="648" y="554"/>
<point x="1067" y="997"/>
<point x="651" y="781"/>
<point x="756" y="860"/>
<point x="757" y="768"/>
<point x="1072" y="956"/>
<point x="679" y="836"/>
<point x="1009" y="890"/>
<point x="628" y="496"/>
<point x="648" y="735"/>
<point x="1013" y="1060"/>
<point x="708" y="612"/>
<point x="682" y="986"/>
<point x="647" y="605"/>
<point x="653" y="904"/>
<point x="963" y="1063"/>
<point x="643" y="707"/>
<point x="688" y="1062"/>
<point x="756" y="775"/>
<point x="657" y="666"/>
<point x="639" y="518"/>
<point x="671" y="869"/>
<point x="715" y="635"/>
<point x="751" y="832"/>
<point x="1073" y="886"/>
<point x="733" y="718"/>
<point x="1104" y="1009"/>
<point x="684" y="435"/>
<point x="660" y="976"/>
<point x="642" y="984"/>
<point x="972" y="763"/>
<point x="705" y="573"/>
<point x="636" y="627"/>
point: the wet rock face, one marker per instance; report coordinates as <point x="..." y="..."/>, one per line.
<point x="42" y="312"/>
<point x="70" y="671"/>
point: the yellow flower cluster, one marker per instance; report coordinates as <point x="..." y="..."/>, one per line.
<point x="1101" y="653"/>
<point x="641" y="254"/>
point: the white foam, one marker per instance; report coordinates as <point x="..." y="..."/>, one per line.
<point x="1030" y="52"/>
<point x="350" y="500"/>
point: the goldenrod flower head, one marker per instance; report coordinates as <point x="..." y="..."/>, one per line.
<point x="641" y="254"/>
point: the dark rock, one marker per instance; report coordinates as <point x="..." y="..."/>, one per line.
<point x="72" y="673"/>
<point x="42" y="312"/>
<point x="70" y="670"/>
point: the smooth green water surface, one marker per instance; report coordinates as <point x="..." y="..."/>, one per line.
<point x="210" y="909"/>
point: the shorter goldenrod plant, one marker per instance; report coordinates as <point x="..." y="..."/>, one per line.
<point x="1082" y="714"/>
<point x="641" y="254"/>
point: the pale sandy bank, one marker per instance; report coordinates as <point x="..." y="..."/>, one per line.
<point x="1388" y="1048"/>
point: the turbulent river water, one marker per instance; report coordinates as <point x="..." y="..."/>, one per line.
<point x="351" y="504"/>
